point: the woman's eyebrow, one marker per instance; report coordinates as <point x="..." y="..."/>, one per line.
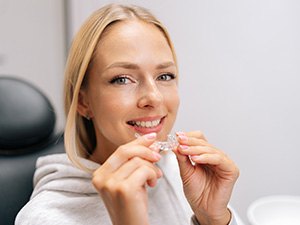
<point x="126" y="65"/>
<point x="129" y="65"/>
<point x="165" y="65"/>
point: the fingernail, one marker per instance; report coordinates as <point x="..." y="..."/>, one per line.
<point x="182" y="137"/>
<point x="184" y="147"/>
<point x="150" y="136"/>
<point x="156" y="155"/>
<point x="180" y="133"/>
<point x="197" y="157"/>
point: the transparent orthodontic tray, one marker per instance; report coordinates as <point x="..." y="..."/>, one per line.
<point x="164" y="146"/>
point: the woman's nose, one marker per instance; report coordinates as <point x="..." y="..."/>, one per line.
<point x="150" y="95"/>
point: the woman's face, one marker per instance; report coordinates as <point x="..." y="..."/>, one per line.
<point x="132" y="85"/>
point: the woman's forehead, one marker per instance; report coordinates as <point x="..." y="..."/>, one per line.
<point x="130" y="31"/>
<point x="133" y="41"/>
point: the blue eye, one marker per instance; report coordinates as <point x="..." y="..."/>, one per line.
<point x="121" y="80"/>
<point x="166" y="77"/>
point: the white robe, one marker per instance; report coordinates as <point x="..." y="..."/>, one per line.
<point x="64" y="194"/>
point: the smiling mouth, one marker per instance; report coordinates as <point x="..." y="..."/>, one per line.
<point x="146" y="124"/>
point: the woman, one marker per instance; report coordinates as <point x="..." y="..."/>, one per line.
<point x="121" y="81"/>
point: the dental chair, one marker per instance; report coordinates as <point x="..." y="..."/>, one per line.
<point x="27" y="131"/>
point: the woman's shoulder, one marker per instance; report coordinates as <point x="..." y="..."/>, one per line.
<point x="40" y="210"/>
<point x="58" y="207"/>
<point x="57" y="174"/>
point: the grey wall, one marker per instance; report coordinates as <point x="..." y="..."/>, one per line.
<point x="240" y="76"/>
<point x="32" y="45"/>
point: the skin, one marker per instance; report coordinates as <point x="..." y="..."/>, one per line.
<point x="147" y="92"/>
<point x="207" y="185"/>
<point x="140" y="52"/>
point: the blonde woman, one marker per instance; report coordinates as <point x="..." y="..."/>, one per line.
<point x="121" y="98"/>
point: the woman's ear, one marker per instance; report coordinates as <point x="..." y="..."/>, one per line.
<point x="83" y="107"/>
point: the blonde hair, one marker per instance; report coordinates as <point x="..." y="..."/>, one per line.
<point x="80" y="138"/>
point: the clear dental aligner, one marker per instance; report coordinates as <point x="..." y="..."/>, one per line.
<point x="164" y="146"/>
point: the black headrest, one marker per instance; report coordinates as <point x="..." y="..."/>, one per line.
<point x="27" y="118"/>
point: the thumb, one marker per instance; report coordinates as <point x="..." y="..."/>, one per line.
<point x="146" y="140"/>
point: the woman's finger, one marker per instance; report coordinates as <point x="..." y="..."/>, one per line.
<point x="196" y="150"/>
<point x="143" y="175"/>
<point x="132" y="165"/>
<point x="186" y="139"/>
<point x="211" y="159"/>
<point x="195" y="134"/>
<point x="222" y="163"/>
<point x="138" y="147"/>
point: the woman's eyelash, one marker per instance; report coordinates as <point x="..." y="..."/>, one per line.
<point x="167" y="76"/>
<point x="121" y="79"/>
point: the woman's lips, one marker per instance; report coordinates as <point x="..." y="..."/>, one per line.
<point x="147" y="125"/>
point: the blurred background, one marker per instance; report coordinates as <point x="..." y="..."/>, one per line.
<point x="239" y="64"/>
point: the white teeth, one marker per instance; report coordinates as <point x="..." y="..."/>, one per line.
<point x="147" y="124"/>
<point x="155" y="123"/>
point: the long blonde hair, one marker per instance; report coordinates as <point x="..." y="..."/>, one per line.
<point x="80" y="140"/>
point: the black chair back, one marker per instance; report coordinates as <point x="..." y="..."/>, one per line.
<point x="27" y="131"/>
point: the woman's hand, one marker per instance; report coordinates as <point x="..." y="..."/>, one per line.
<point x="122" y="179"/>
<point x="209" y="182"/>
